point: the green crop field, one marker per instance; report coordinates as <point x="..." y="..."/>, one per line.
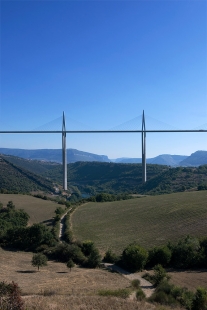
<point x="150" y="220"/>
<point x="39" y="210"/>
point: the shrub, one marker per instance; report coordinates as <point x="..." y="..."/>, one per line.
<point x="140" y="295"/>
<point x="186" y="253"/>
<point x="159" y="255"/>
<point x="159" y="275"/>
<point x="94" y="259"/>
<point x="135" y="283"/>
<point x="123" y="293"/>
<point x="87" y="247"/>
<point x="134" y="257"/>
<point x="110" y="257"/>
<point x="200" y="299"/>
<point x="10" y="296"/>
<point x="186" y="299"/>
<point x="63" y="252"/>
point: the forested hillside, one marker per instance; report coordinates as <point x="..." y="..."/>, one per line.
<point x="176" y="180"/>
<point x="96" y="177"/>
<point x="17" y="179"/>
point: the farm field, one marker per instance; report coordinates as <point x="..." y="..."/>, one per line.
<point x="150" y="220"/>
<point x="39" y="210"/>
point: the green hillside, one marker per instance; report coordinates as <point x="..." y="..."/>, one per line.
<point x="176" y="180"/>
<point x="150" y="220"/>
<point x="17" y="179"/>
<point x="39" y="210"/>
<point x="95" y="177"/>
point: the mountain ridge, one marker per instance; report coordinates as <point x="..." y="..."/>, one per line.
<point x="55" y="155"/>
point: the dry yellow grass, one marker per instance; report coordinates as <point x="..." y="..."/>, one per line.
<point x="56" y="277"/>
<point x="84" y="303"/>
<point x="190" y="279"/>
<point x="39" y="210"/>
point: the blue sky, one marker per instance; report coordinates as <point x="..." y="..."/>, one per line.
<point x="103" y="63"/>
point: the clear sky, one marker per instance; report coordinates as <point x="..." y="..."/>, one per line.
<point x="103" y="63"/>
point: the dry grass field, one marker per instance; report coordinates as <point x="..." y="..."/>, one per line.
<point x="150" y="220"/>
<point x="39" y="210"/>
<point x="87" y="303"/>
<point x="56" y="277"/>
<point x="54" y="287"/>
<point x="190" y="279"/>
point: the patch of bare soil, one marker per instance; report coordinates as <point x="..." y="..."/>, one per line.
<point x="146" y="286"/>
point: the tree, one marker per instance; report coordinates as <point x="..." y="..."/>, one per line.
<point x="134" y="257"/>
<point x="200" y="299"/>
<point x="186" y="253"/>
<point x="94" y="259"/>
<point x="159" y="255"/>
<point x="110" y="257"/>
<point x="87" y="247"/>
<point x="10" y="205"/>
<point x="39" y="260"/>
<point x="70" y="264"/>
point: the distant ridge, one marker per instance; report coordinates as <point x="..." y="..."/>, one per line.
<point x="55" y="155"/>
<point x="195" y="159"/>
<point x="165" y="159"/>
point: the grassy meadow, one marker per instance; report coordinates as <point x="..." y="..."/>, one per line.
<point x="150" y="220"/>
<point x="39" y="210"/>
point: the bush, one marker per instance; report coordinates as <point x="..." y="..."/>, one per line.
<point x="140" y="295"/>
<point x="110" y="257"/>
<point x="160" y="275"/>
<point x="123" y="293"/>
<point x="159" y="255"/>
<point x="134" y="257"/>
<point x="94" y="259"/>
<point x="186" y="253"/>
<point x="10" y="296"/>
<point x="200" y="299"/>
<point x="135" y="283"/>
<point x="87" y="247"/>
<point x="64" y="252"/>
<point x="168" y="294"/>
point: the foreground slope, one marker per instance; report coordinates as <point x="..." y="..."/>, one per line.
<point x="150" y="220"/>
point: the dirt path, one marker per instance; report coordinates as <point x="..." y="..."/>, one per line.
<point x="146" y="286"/>
<point x="62" y="224"/>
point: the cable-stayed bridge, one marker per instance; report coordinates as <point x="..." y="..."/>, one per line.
<point x="136" y="125"/>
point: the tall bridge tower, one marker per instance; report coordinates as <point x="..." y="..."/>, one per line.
<point x="144" y="169"/>
<point x="64" y="154"/>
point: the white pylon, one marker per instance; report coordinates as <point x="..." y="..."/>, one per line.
<point x="64" y="154"/>
<point x="144" y="169"/>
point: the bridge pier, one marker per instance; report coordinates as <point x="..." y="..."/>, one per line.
<point x="64" y="154"/>
<point x="144" y="168"/>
